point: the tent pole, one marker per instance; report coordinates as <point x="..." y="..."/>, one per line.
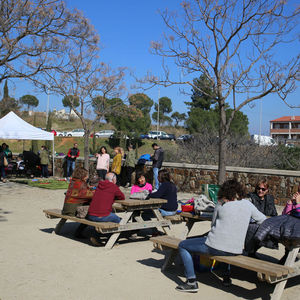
<point x="53" y="167"/>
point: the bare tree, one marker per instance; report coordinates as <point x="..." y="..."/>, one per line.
<point x="34" y="35"/>
<point x="87" y="81"/>
<point x="236" y="45"/>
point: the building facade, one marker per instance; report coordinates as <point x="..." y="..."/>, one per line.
<point x="285" y="128"/>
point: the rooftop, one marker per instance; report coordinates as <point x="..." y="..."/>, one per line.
<point x="287" y="119"/>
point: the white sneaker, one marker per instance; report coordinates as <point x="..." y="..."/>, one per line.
<point x="154" y="191"/>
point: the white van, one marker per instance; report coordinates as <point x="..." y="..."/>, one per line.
<point x="263" y="140"/>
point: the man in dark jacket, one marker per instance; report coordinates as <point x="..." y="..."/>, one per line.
<point x="101" y="205"/>
<point x="73" y="153"/>
<point x="157" y="158"/>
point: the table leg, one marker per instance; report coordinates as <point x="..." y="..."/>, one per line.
<point x="110" y="243"/>
<point x="159" y="217"/>
<point x="59" y="226"/>
<point x="290" y="260"/>
<point x="188" y="227"/>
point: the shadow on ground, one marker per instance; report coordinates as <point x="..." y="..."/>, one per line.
<point x="3" y="213"/>
<point x="69" y="229"/>
<point x="262" y="289"/>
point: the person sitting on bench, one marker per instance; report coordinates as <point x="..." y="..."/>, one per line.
<point x="227" y="235"/>
<point x="167" y="190"/>
<point x="78" y="192"/>
<point x="101" y="205"/>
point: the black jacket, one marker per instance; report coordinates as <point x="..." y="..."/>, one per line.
<point x="168" y="191"/>
<point x="266" y="206"/>
<point x="158" y="158"/>
<point x="282" y="228"/>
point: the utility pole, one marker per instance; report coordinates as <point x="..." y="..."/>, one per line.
<point x="157" y="127"/>
<point x="47" y="112"/>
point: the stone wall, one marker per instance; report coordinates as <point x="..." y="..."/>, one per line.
<point x="190" y="177"/>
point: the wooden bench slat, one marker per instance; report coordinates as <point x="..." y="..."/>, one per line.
<point x="253" y="264"/>
<point x="102" y="225"/>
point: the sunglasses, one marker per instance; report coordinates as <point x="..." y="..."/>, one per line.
<point x="259" y="188"/>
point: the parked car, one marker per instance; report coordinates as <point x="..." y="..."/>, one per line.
<point x="104" y="133"/>
<point x="75" y="133"/>
<point x="156" y="134"/>
<point x="184" y="137"/>
<point x="61" y="133"/>
<point x="263" y="140"/>
<point x="144" y="136"/>
<point x="168" y="136"/>
<point x="54" y="132"/>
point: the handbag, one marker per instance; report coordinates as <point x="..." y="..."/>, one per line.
<point x="5" y="162"/>
<point x="82" y="211"/>
<point x="140" y="195"/>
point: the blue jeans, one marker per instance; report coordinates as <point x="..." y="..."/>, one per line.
<point x="44" y="170"/>
<point x="196" y="245"/>
<point x="167" y="213"/>
<point x="155" y="174"/>
<point x="110" y="218"/>
<point x="70" y="167"/>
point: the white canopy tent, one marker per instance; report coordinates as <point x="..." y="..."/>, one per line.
<point x="14" y="128"/>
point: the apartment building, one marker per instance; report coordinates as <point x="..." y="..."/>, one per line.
<point x="285" y="128"/>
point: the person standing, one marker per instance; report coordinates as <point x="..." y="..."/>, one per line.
<point x="157" y="158"/>
<point x="2" y="165"/>
<point x="117" y="163"/>
<point x="44" y="156"/>
<point x="129" y="164"/>
<point x="73" y="153"/>
<point x="102" y="162"/>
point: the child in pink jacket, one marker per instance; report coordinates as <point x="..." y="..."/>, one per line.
<point x="141" y="184"/>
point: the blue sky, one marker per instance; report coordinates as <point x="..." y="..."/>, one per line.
<point x="126" y="29"/>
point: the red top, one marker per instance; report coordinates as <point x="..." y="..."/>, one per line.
<point x="104" y="197"/>
<point x="78" y="192"/>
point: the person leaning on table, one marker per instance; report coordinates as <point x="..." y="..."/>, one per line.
<point x="228" y="230"/>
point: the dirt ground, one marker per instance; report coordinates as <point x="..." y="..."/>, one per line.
<point x="36" y="264"/>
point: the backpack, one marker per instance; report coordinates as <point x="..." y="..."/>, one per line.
<point x="202" y="203"/>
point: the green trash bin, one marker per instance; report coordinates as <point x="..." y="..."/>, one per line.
<point x="211" y="191"/>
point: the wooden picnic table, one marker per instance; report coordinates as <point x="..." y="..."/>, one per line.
<point x="132" y="211"/>
<point x="132" y="219"/>
<point x="190" y="219"/>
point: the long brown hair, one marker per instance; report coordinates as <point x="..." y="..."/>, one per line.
<point x="80" y="173"/>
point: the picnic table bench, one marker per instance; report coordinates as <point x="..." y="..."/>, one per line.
<point x="266" y="271"/>
<point x="128" y="207"/>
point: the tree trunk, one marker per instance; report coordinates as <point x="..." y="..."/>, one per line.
<point x="86" y="149"/>
<point x="222" y="145"/>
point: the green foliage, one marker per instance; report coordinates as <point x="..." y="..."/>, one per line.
<point x="178" y="117"/>
<point x="141" y="102"/>
<point x="203" y="95"/>
<point x="289" y="158"/>
<point x="30" y="101"/>
<point x="165" y="107"/>
<point x="34" y="143"/>
<point x="8" y="104"/>
<point x="239" y="124"/>
<point x="70" y="101"/>
<point x="200" y="120"/>
<point x="5" y="90"/>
